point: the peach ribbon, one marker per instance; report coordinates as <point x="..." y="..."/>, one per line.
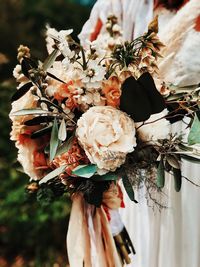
<point x="89" y="240"/>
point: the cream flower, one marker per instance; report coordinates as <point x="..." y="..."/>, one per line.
<point x="90" y="99"/>
<point x="107" y="135"/>
<point x="61" y="37"/>
<point x="19" y="76"/>
<point x="26" y="158"/>
<point x="25" y="102"/>
<point x="156" y="128"/>
<point x="93" y="75"/>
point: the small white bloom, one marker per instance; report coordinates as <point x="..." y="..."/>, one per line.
<point x="59" y="36"/>
<point x="64" y="33"/>
<point x="65" y="50"/>
<point x="93" y="75"/>
<point x="19" y="76"/>
<point x="16" y="71"/>
<point x="98" y="47"/>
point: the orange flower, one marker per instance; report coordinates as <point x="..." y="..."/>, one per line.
<point x="68" y="91"/>
<point x="23" y="138"/>
<point x="71" y="103"/>
<point x="65" y="90"/>
<point x="112" y="92"/>
<point x="74" y="157"/>
<point x="39" y="161"/>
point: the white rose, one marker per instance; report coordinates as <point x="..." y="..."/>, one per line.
<point x="107" y="135"/>
<point x="156" y="127"/>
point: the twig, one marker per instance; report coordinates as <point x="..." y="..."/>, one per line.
<point x="190" y="181"/>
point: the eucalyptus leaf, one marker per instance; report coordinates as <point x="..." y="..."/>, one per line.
<point x="54" y="77"/>
<point x="185" y="148"/>
<point x="194" y="135"/>
<point x="30" y="62"/>
<point x="24" y="112"/>
<point x="54" y="142"/>
<point x="168" y="167"/>
<point x="129" y="189"/>
<point x="62" y="133"/>
<point x="53" y="174"/>
<point x="50" y="59"/>
<point x="65" y="147"/>
<point x="177" y="179"/>
<point x="160" y="179"/>
<point x="22" y="91"/>
<point x="85" y="171"/>
<point x="198" y="114"/>
<point x="173" y="161"/>
<point x="175" y="96"/>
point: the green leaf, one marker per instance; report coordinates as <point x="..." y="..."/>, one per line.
<point x="66" y="146"/>
<point x="129" y="189"/>
<point x="160" y="180"/>
<point x="194" y="135"/>
<point x="175" y="96"/>
<point x="50" y="59"/>
<point x="177" y="179"/>
<point x="28" y="64"/>
<point x="53" y="174"/>
<point x="185" y="148"/>
<point x="24" y="112"/>
<point x="105" y="177"/>
<point x="85" y="171"/>
<point x="173" y="161"/>
<point x="39" y="120"/>
<point x="198" y="114"/>
<point x="54" y="77"/>
<point x="62" y="133"/>
<point x="41" y="132"/>
<point x="54" y="142"/>
<point x="22" y="91"/>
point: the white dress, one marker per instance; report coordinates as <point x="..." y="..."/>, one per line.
<point x="170" y="238"/>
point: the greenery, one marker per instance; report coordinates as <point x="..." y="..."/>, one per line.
<point x="31" y="233"/>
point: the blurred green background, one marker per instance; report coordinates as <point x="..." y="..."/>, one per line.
<point x="31" y="233"/>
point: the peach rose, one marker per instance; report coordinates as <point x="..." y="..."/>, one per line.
<point x="107" y="135"/>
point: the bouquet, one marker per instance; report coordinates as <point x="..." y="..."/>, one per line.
<point x="89" y="119"/>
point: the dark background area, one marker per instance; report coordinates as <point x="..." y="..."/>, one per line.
<point x="31" y="233"/>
